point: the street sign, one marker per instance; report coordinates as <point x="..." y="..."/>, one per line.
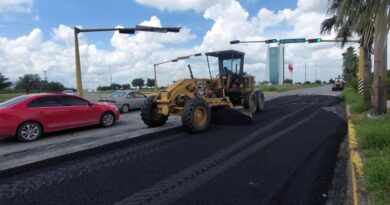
<point x="293" y="40"/>
<point x="314" y="40"/>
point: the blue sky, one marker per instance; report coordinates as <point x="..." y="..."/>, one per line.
<point x="37" y="36"/>
<point x="46" y="14"/>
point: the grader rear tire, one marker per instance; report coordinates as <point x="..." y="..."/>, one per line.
<point x="250" y="102"/>
<point x="260" y="100"/>
<point x="196" y="115"/>
<point x="149" y="114"/>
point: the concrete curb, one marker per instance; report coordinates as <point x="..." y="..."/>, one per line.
<point x="356" y="165"/>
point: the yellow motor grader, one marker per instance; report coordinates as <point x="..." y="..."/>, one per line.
<point x="193" y="99"/>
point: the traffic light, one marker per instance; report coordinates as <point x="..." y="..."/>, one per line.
<point x="235" y="42"/>
<point x="271" y="41"/>
<point x="127" y="30"/>
<point x="314" y="40"/>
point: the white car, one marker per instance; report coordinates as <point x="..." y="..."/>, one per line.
<point x="69" y="92"/>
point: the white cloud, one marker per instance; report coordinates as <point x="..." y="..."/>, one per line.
<point x="17" y="6"/>
<point x="133" y="56"/>
<point x="180" y="5"/>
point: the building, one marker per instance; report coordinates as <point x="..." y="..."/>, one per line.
<point x="275" y="64"/>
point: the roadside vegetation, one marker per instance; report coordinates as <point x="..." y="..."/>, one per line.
<point x="355" y="101"/>
<point x="373" y="137"/>
<point x="286" y="87"/>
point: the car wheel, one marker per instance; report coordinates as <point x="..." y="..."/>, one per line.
<point x="107" y="120"/>
<point x="125" y="108"/>
<point x="29" y="131"/>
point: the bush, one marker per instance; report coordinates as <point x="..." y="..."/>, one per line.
<point x="353" y="83"/>
<point x="355" y="101"/>
<point x="373" y="133"/>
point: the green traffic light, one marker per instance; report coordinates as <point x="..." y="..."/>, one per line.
<point x="314" y="40"/>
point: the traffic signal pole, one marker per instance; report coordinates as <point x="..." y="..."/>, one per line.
<point x="79" y="82"/>
<point x="77" y="61"/>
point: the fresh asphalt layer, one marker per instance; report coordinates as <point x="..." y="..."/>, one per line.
<point x="286" y="156"/>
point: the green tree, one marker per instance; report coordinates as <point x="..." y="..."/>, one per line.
<point x="348" y="18"/>
<point x="138" y="82"/>
<point x="4" y="83"/>
<point x="29" y="82"/>
<point x="331" y="81"/>
<point x="350" y="64"/>
<point x="287" y="81"/>
<point x="149" y="82"/>
<point x="54" y="87"/>
<point x="115" y="86"/>
<point x="369" y="19"/>
<point x="126" y="87"/>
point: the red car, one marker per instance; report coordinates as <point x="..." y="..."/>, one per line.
<point x="29" y="116"/>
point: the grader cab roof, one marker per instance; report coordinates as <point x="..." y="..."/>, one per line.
<point x="227" y="54"/>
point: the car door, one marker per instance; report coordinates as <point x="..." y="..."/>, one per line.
<point x="139" y="98"/>
<point x="50" y="112"/>
<point x="82" y="112"/>
<point x="131" y="100"/>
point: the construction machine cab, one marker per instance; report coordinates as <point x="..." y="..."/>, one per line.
<point x="231" y="73"/>
<point x="230" y="67"/>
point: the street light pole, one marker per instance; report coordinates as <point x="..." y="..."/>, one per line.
<point x="109" y="66"/>
<point x="155" y="79"/>
<point x="173" y="60"/>
<point x="305" y="70"/>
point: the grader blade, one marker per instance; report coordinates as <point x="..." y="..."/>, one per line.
<point x="228" y="116"/>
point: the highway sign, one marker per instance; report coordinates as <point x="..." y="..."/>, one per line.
<point x="293" y="40"/>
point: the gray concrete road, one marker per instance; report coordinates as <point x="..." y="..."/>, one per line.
<point x="14" y="153"/>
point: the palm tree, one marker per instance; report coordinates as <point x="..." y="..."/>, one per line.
<point x="346" y="21"/>
<point x="369" y="19"/>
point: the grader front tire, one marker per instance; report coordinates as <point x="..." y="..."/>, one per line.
<point x="149" y="114"/>
<point x="196" y="115"/>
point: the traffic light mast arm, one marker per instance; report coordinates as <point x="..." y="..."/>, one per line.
<point x="122" y="31"/>
<point x="339" y="41"/>
<point x="257" y="41"/>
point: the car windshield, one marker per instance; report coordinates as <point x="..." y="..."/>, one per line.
<point x="13" y="101"/>
<point x="116" y="94"/>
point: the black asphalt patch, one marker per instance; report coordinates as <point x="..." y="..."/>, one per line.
<point x="296" y="167"/>
<point x="227" y="116"/>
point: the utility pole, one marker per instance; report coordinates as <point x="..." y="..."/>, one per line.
<point x="305" y="70"/>
<point x="315" y="72"/>
<point x="109" y="66"/>
<point x="380" y="61"/>
<point x="45" y="84"/>
<point x="45" y="75"/>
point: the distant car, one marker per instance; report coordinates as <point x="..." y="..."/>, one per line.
<point x="29" y="116"/>
<point x="125" y="100"/>
<point x="69" y="92"/>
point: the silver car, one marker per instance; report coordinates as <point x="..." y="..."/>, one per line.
<point x="125" y="100"/>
